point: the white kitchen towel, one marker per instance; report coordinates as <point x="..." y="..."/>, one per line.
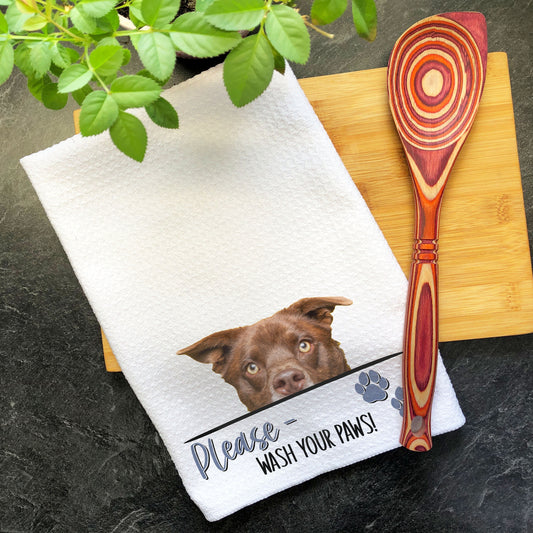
<point x="234" y="216"/>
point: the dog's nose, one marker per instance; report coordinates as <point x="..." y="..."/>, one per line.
<point x="289" y="381"/>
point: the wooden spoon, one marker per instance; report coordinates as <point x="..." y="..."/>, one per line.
<point x="435" y="79"/>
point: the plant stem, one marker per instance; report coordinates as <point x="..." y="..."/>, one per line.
<point x="49" y="6"/>
<point x="95" y="74"/>
<point x="31" y="38"/>
<point x="267" y="7"/>
<point x="127" y="33"/>
<point x="64" y="30"/>
<point x="318" y="30"/>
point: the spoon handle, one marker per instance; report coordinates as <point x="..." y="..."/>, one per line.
<point x="421" y="333"/>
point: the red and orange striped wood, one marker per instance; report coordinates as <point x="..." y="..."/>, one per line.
<point x="436" y="75"/>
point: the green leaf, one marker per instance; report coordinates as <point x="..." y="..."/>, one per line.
<point x="80" y="94"/>
<point x="202" y="5"/>
<point x="138" y="23"/>
<point x="135" y="91"/>
<point x="51" y="98"/>
<point x="107" y="24"/>
<point x="60" y="56"/>
<point x="59" y="18"/>
<point x="126" y="56"/>
<point x="157" y="53"/>
<point x="159" y="12"/>
<point x="147" y="74"/>
<point x="22" y="60"/>
<point x="4" y="28"/>
<point x="73" y="77"/>
<point x="81" y="20"/>
<point x="279" y="61"/>
<point x="15" y="19"/>
<point x="35" y="22"/>
<point x="135" y="13"/>
<point x="163" y="114"/>
<point x="287" y="33"/>
<point x="97" y="8"/>
<point x="26" y="6"/>
<point x="109" y="41"/>
<point x="41" y="58"/>
<point x="7" y="60"/>
<point x="129" y="136"/>
<point x="192" y="34"/>
<point x="106" y="60"/>
<point x="98" y="113"/>
<point x="55" y="70"/>
<point x="365" y="18"/>
<point x="74" y="56"/>
<point x="36" y="85"/>
<point x="326" y="11"/>
<point x="248" y="69"/>
<point x="235" y="14"/>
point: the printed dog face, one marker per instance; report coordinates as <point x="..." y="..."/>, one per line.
<point x="277" y="356"/>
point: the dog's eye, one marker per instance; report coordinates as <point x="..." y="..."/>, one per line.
<point x="252" y="368"/>
<point x="304" y="346"/>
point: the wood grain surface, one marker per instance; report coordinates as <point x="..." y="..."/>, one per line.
<point x="486" y="283"/>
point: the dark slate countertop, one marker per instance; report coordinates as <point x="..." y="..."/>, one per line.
<point x="77" y="451"/>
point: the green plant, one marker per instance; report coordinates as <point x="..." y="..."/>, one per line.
<point x="76" y="47"/>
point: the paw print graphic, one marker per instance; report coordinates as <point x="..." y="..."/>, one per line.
<point x="397" y="401"/>
<point x="372" y="387"/>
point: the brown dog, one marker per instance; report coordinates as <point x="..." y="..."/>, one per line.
<point x="277" y="356"/>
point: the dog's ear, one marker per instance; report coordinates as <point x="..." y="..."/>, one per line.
<point x="319" y="309"/>
<point x="213" y="349"/>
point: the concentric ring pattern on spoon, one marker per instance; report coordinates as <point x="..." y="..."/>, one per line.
<point x="426" y="67"/>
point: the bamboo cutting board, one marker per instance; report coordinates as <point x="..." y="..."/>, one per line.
<point x="486" y="283"/>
